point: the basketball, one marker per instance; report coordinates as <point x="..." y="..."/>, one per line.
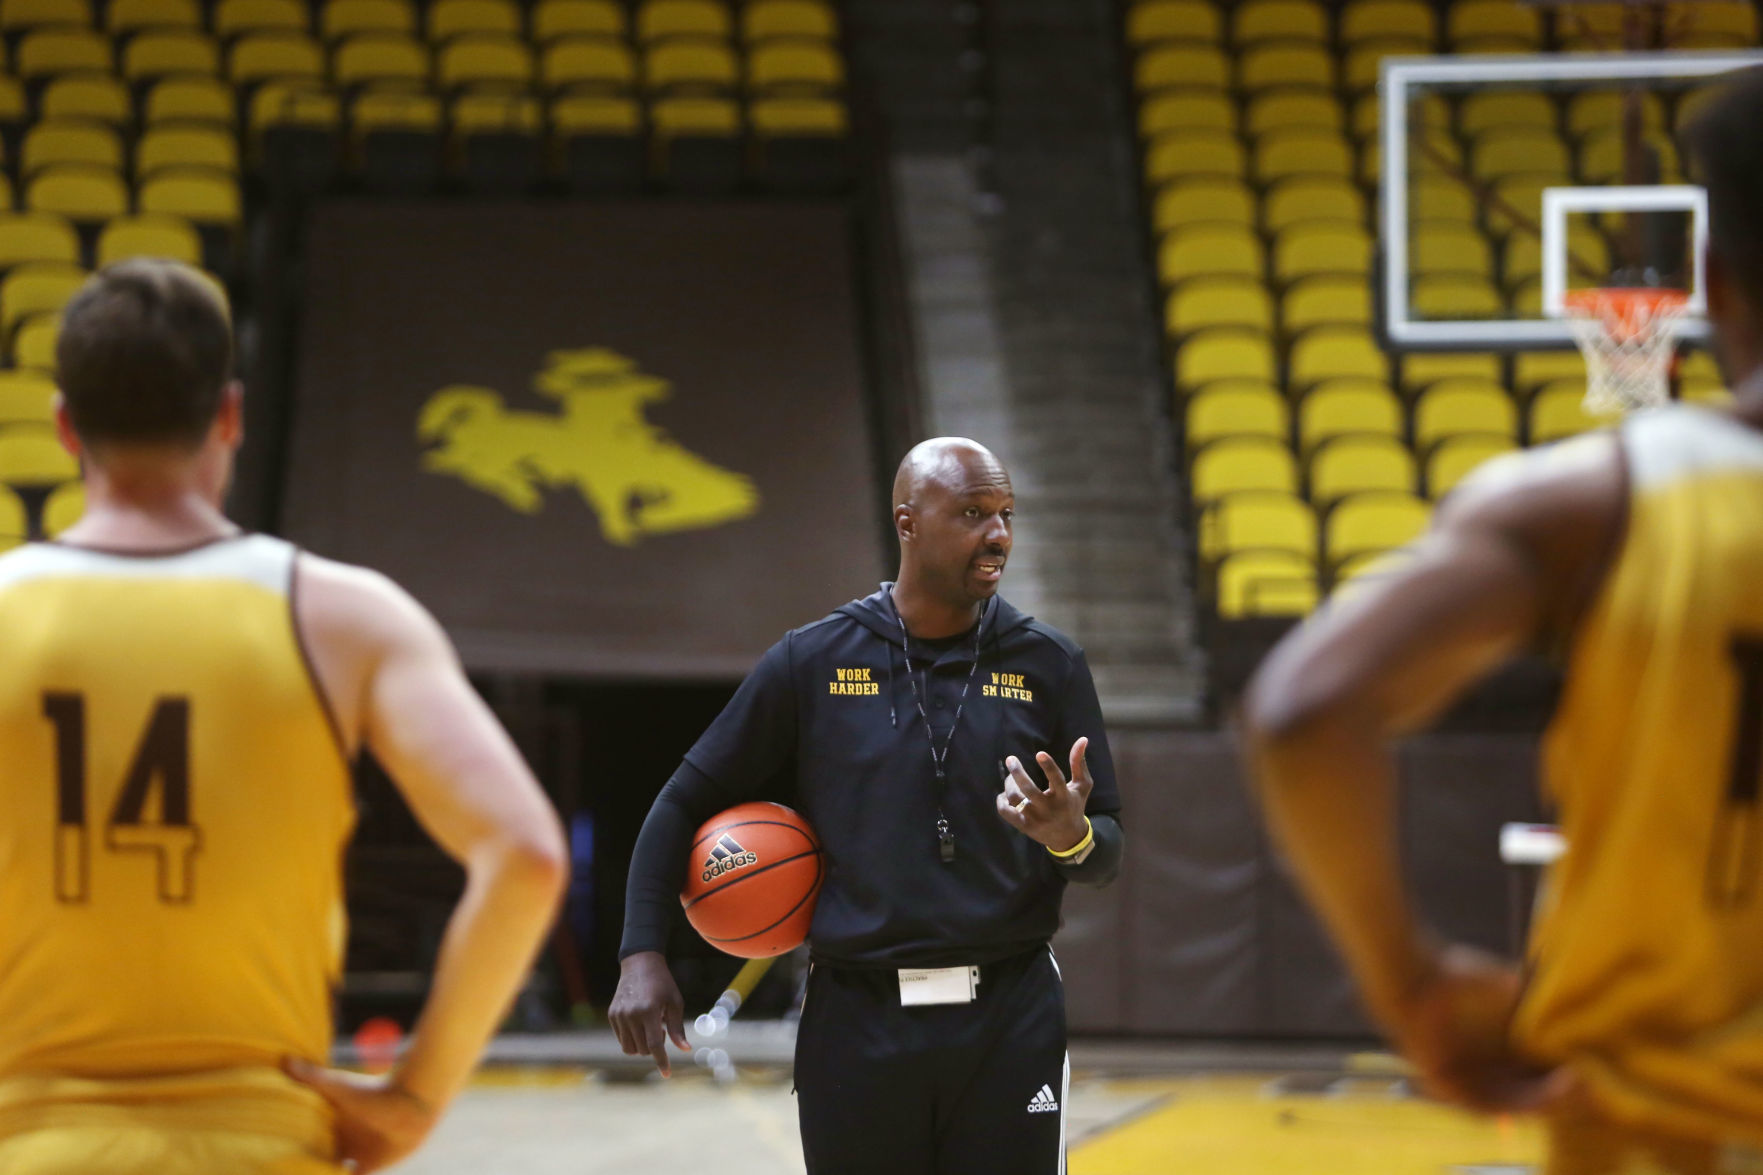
<point x="751" y="880"/>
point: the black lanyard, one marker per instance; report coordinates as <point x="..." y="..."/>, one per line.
<point x="945" y="836"/>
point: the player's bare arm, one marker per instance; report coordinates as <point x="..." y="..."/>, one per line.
<point x="1513" y="561"/>
<point x="397" y="688"/>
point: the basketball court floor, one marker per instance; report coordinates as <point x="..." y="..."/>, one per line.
<point x="1354" y="1118"/>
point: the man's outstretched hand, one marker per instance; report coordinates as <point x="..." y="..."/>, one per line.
<point x="1053" y="815"/>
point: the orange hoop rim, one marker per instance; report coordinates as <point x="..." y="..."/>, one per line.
<point x="1627" y="312"/>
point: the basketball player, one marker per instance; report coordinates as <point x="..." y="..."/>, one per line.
<point x="947" y="860"/>
<point x="1639" y="556"/>
<point x="179" y="705"/>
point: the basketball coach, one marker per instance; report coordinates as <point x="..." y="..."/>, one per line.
<point x="932" y="1037"/>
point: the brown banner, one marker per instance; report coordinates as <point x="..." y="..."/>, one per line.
<point x="614" y="440"/>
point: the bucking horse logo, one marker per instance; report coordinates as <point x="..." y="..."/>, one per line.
<point x="638" y="480"/>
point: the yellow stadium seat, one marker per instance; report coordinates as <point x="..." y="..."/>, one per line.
<point x="1558" y="410"/>
<point x="1234" y="464"/>
<point x="1363" y="20"/>
<point x="1312" y="248"/>
<point x="1258" y="520"/>
<point x="658" y="19"/>
<point x="1331" y="352"/>
<point x="1468" y="20"/>
<point x="1209" y="250"/>
<point x="1455" y="295"/>
<point x="1293" y="108"/>
<point x="1523" y="256"/>
<point x="1424" y="369"/>
<point x="1223" y="301"/>
<point x="495" y="111"/>
<point x="262" y="57"/>
<point x="1278" y="20"/>
<point x="67" y="502"/>
<point x="19" y="15"/>
<point x="598" y="141"/>
<point x="480" y="59"/>
<point x="57" y="142"/>
<point x="1597" y="110"/>
<point x="1603" y="157"/>
<point x="198" y="194"/>
<point x="30" y="455"/>
<point x="1533" y="369"/>
<point x="395" y="110"/>
<point x="1712" y="392"/>
<point x="1343" y="407"/>
<point x="1441" y="198"/>
<point x="1373" y="521"/>
<point x="1278" y="63"/>
<point x="497" y="145"/>
<point x="14" y="109"/>
<point x="149" y="236"/>
<point x="1193" y="153"/>
<point x="124" y="17"/>
<point x="1236" y="408"/>
<point x="37" y="236"/>
<point x="1735" y="21"/>
<point x="1470" y="46"/>
<point x="1223" y="354"/>
<point x="90" y="97"/>
<point x="764" y="20"/>
<point x="1429" y="111"/>
<point x="1449" y="247"/>
<point x="26" y="397"/>
<point x="1697" y="363"/>
<point x="1188" y="202"/>
<point x="235" y="18"/>
<point x="1503" y="151"/>
<point x="456" y="18"/>
<point x="33" y="343"/>
<point x="690" y="65"/>
<point x="794" y="65"/>
<point x="48" y="52"/>
<point x="1301" y="151"/>
<point x="1457" y="456"/>
<point x="1494" y="109"/>
<point x="292" y="104"/>
<point x="1452" y="406"/>
<point x="1151" y="21"/>
<point x="597" y="62"/>
<point x="577" y="18"/>
<point x="1304" y="198"/>
<point x="786" y="118"/>
<point x="342" y="18"/>
<point x="696" y="141"/>
<point x="1424" y="155"/>
<point x="37" y="288"/>
<point x="1325" y="301"/>
<point x="596" y="115"/>
<point x="1181" y="65"/>
<point x="82" y="194"/>
<point x="1266" y="583"/>
<point x="1187" y="110"/>
<point x="152" y="55"/>
<point x="1523" y="194"/>
<point x="1364" y="61"/>
<point x="373" y="58"/>
<point x="191" y="100"/>
<point x="186" y="146"/>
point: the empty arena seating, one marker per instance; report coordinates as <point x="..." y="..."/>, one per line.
<point x="1309" y="450"/>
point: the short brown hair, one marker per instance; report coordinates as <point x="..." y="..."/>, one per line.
<point x="1725" y="140"/>
<point x="145" y="353"/>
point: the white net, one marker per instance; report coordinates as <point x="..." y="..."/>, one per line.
<point x="1628" y="342"/>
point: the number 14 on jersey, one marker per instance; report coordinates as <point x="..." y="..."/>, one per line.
<point x="161" y="763"/>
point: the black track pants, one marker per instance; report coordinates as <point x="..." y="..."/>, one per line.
<point x="946" y="1089"/>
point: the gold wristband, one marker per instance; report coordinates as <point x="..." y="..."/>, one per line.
<point x="1080" y="846"/>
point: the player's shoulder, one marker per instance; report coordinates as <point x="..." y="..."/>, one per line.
<point x="1570" y="478"/>
<point x="340" y="599"/>
<point x="1056" y="643"/>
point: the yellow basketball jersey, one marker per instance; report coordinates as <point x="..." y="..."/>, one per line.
<point x="1647" y="958"/>
<point x="176" y="809"/>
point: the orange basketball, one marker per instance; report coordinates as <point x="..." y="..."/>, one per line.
<point x="751" y="881"/>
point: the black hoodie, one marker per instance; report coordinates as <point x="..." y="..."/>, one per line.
<point x="829" y="723"/>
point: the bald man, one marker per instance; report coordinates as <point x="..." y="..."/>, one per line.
<point x="949" y="752"/>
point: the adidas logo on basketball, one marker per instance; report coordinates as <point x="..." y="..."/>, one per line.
<point x="727" y="854"/>
<point x="1043" y="1102"/>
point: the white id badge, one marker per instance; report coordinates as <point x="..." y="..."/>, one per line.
<point x="938" y="985"/>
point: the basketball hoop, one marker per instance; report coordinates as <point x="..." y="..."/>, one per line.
<point x="1626" y="337"/>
